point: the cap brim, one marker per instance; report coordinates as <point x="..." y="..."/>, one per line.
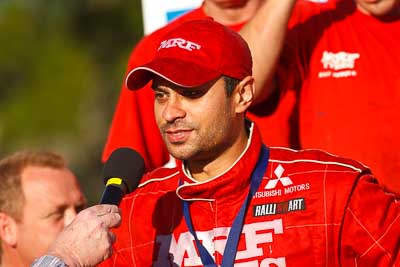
<point x="179" y="72"/>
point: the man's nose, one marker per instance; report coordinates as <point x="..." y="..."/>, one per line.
<point x="174" y="109"/>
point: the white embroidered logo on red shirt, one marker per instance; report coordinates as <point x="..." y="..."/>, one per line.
<point x="284" y="180"/>
<point x="338" y="65"/>
<point x="256" y="237"/>
<point x="179" y="42"/>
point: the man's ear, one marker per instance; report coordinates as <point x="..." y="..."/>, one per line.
<point x="8" y="229"/>
<point x="245" y="94"/>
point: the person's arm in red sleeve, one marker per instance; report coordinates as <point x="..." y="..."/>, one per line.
<point x="370" y="234"/>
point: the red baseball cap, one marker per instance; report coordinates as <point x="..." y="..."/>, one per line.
<point x="195" y="53"/>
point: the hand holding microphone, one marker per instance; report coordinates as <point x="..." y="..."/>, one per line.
<point x="88" y="240"/>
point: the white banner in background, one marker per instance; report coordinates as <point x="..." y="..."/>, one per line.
<point x="156" y="13"/>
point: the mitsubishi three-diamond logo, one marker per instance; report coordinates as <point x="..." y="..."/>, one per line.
<point x="284" y="180"/>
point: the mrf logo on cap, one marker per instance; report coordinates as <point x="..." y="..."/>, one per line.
<point x="179" y="42"/>
<point x="195" y="53"/>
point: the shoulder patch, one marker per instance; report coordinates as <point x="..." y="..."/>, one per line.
<point x="283" y="155"/>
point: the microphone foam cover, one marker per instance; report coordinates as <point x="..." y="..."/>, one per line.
<point x="124" y="163"/>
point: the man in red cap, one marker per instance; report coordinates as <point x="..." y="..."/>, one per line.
<point x="133" y="123"/>
<point x="231" y="201"/>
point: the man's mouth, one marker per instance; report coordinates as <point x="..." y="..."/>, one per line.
<point x="177" y="135"/>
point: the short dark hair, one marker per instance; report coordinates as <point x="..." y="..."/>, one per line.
<point x="230" y="84"/>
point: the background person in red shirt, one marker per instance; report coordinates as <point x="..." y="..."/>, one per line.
<point x="341" y="59"/>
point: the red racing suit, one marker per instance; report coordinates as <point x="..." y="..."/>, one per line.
<point x="311" y="209"/>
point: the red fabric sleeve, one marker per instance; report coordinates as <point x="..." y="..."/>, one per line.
<point x="373" y="217"/>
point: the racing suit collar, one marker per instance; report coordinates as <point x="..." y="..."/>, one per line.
<point x="228" y="185"/>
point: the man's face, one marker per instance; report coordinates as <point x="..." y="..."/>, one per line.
<point x="195" y="123"/>
<point x="52" y="199"/>
<point x="379" y="8"/>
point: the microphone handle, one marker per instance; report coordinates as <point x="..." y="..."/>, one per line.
<point x="112" y="195"/>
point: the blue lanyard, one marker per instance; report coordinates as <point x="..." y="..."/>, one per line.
<point x="229" y="256"/>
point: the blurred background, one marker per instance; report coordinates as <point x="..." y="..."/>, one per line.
<point x="61" y="68"/>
